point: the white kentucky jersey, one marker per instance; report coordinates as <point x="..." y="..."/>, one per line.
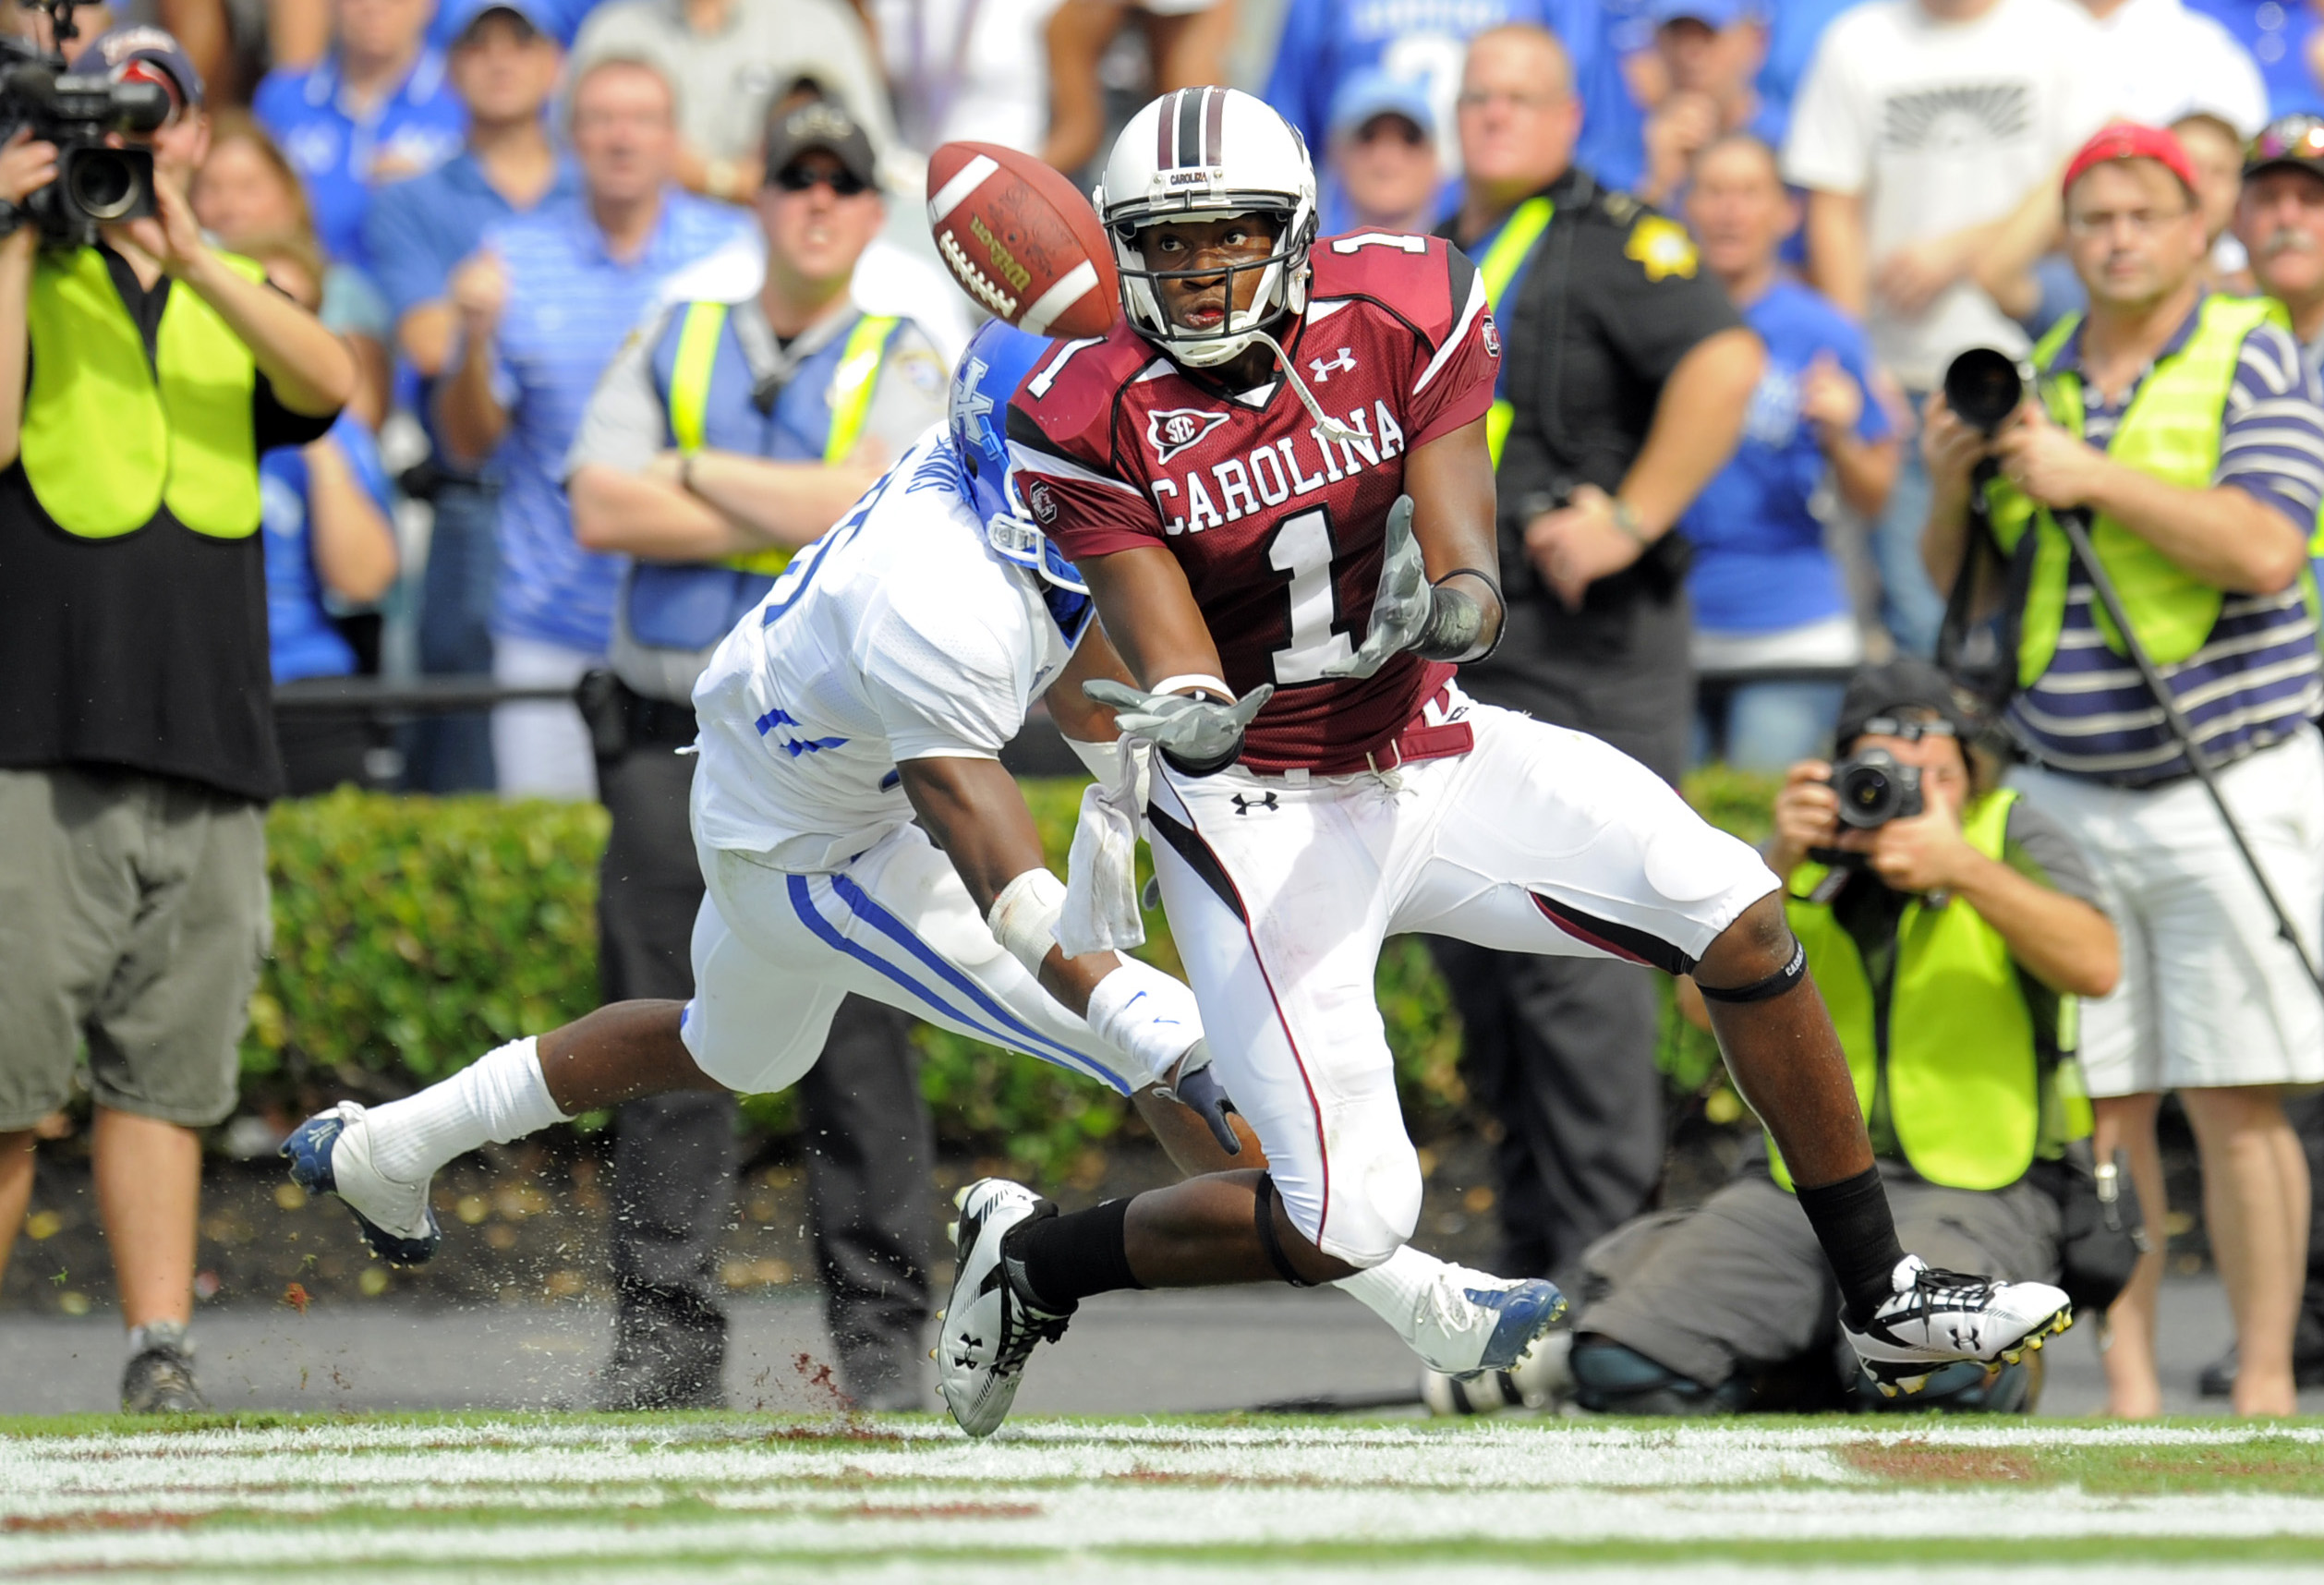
<point x="900" y="635"/>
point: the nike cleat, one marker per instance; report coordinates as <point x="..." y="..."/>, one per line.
<point x="1935" y="1318"/>
<point x="331" y="1153"/>
<point x="1542" y="1378"/>
<point x="989" y="1327"/>
<point x="1470" y="1324"/>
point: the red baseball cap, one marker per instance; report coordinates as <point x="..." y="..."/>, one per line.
<point x="2129" y="140"/>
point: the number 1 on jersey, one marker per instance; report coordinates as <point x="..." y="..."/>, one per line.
<point x="1302" y="549"/>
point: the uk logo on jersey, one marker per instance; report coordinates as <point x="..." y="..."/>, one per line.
<point x="1171" y="430"/>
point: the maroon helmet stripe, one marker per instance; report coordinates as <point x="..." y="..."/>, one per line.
<point x="1164" y="125"/>
<point x="1213" y="127"/>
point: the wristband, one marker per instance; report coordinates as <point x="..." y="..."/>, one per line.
<point x="1146" y="1015"/>
<point x="1102" y="760"/>
<point x="1201" y="682"/>
<point x="1625" y="519"/>
<point x="1023" y="917"/>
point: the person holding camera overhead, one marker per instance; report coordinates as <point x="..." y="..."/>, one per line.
<point x="142" y="374"/>
<point x="1627" y="378"/>
<point x="2184" y="429"/>
<point x="1950" y="924"/>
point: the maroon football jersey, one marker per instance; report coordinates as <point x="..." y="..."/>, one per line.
<point x="1280" y="528"/>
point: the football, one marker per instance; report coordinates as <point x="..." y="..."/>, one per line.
<point x="1022" y="241"/>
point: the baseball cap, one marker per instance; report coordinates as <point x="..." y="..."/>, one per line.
<point x="126" y="54"/>
<point x="822" y="123"/>
<point x="1375" y="92"/>
<point x="2130" y="140"/>
<point x="2297" y="139"/>
<point x="466" y="14"/>
<point x="1904" y="684"/>
<point x="1717" y="15"/>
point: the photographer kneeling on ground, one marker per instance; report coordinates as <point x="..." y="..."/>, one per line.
<point x="1949" y="944"/>
<point x="140" y="378"/>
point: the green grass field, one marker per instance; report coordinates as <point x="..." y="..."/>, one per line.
<point x="590" y="1498"/>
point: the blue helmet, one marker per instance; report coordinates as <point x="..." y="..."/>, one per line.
<point x="999" y="358"/>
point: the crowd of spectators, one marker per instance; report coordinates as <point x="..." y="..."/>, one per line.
<point x="1801" y="211"/>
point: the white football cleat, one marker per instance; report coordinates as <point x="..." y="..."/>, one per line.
<point x="1470" y="1322"/>
<point x="1542" y="1378"/>
<point x="331" y="1153"/>
<point x="990" y="1324"/>
<point x="1934" y="1318"/>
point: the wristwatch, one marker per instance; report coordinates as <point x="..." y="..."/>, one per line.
<point x="1625" y="519"/>
<point x="12" y="218"/>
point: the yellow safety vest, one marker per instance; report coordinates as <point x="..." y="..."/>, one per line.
<point x="1499" y="267"/>
<point x="849" y="393"/>
<point x="109" y="439"/>
<point x="2171" y="431"/>
<point x="1970" y="1091"/>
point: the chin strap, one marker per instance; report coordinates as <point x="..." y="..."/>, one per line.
<point x="1329" y="425"/>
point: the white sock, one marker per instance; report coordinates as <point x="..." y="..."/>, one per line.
<point x="500" y="1096"/>
<point x="1392" y="1290"/>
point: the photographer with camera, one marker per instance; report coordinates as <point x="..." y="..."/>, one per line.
<point x="2179" y="433"/>
<point x="142" y="373"/>
<point x="1950" y="926"/>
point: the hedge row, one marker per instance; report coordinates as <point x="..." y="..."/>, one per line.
<point x="413" y="934"/>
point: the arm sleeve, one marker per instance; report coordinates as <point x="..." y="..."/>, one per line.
<point x="2038" y="848"/>
<point x="1651" y="323"/>
<point x="1455" y="387"/>
<point x="402" y="264"/>
<point x="1088" y="511"/>
<point x="2272" y="445"/>
<point x="1827" y="147"/>
<point x="625" y="423"/>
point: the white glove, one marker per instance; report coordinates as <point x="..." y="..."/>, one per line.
<point x="1400" y="610"/>
<point x="1199" y="731"/>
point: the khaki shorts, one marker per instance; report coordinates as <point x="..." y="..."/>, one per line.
<point x="133" y="914"/>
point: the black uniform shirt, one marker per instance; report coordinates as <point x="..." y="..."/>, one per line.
<point x="148" y="650"/>
<point x="1612" y="296"/>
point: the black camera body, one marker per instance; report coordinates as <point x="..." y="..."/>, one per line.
<point x="1983" y="388"/>
<point x="96" y="184"/>
<point x="1874" y="788"/>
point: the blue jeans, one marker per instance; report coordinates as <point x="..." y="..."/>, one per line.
<point x="454" y="754"/>
<point x="1765" y="726"/>
<point x="1912" y="609"/>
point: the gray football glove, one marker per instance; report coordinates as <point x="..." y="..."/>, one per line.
<point x="1401" y="608"/>
<point x="1197" y="731"/>
<point x="1198" y="1089"/>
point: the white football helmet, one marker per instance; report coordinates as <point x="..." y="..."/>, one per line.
<point x="1199" y="154"/>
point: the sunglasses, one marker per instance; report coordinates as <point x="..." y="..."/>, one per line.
<point x="1390" y="125"/>
<point x="1910" y="732"/>
<point x="2287" y="138"/>
<point x="799" y="178"/>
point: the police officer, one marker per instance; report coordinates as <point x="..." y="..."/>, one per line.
<point x="1623" y="392"/>
<point x="737" y="425"/>
<point x="1949" y="945"/>
<point x="142" y="373"/>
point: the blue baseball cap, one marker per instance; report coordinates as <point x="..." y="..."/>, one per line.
<point x="466" y="14"/>
<point x="1717" y="15"/>
<point x="144" y="51"/>
<point x="1375" y="92"/>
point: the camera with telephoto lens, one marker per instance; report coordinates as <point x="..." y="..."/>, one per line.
<point x="1873" y="788"/>
<point x="1983" y="388"/>
<point x="96" y="184"/>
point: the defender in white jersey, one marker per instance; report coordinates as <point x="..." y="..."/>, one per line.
<point x="875" y="686"/>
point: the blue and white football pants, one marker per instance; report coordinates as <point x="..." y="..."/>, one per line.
<point x="774" y="950"/>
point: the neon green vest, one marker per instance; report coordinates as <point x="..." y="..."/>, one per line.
<point x="852" y="384"/>
<point x="2170" y="432"/>
<point x="1499" y="267"/>
<point x="1964" y="1081"/>
<point x="105" y="443"/>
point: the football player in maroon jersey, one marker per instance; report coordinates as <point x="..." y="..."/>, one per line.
<point x="1274" y="478"/>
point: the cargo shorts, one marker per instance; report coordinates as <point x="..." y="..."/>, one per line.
<point x="133" y="916"/>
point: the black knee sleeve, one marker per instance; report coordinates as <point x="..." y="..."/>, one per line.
<point x="1262" y="1215"/>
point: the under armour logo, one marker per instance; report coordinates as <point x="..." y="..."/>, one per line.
<point x="1322" y="366"/>
<point x="1245" y="805"/>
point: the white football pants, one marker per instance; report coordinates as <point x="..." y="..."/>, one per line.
<point x="1280" y="890"/>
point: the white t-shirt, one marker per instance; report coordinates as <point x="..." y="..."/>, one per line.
<point x="2171" y="62"/>
<point x="1942" y="125"/>
<point x="977" y="69"/>
<point x="900" y="635"/>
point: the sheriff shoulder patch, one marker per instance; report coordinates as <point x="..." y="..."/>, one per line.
<point x="1661" y="247"/>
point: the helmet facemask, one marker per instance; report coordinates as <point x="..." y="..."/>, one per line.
<point x="1281" y="291"/>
